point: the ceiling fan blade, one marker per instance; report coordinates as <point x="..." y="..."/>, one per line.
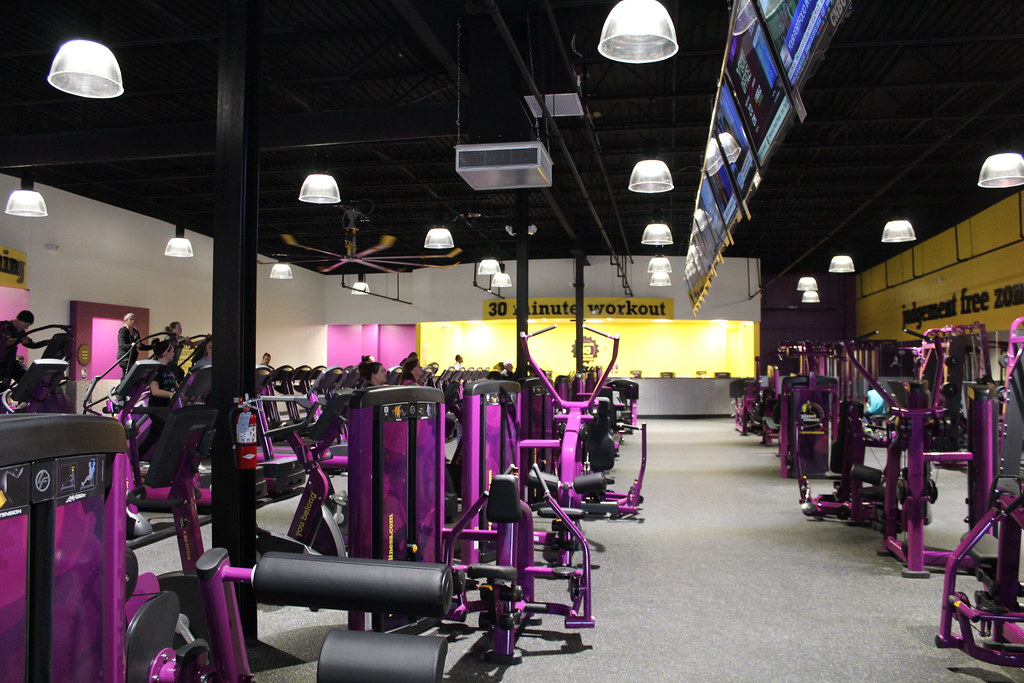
<point x="386" y="242"/>
<point x="377" y="266"/>
<point x="451" y="254"/>
<point x="292" y="242"/>
<point x="328" y="269"/>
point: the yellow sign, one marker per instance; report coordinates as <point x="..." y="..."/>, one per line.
<point x="12" y="268"/>
<point x="605" y="307"/>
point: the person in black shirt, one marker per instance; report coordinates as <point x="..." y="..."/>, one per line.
<point x="12" y="334"/>
<point x="161" y="391"/>
<point x="128" y="344"/>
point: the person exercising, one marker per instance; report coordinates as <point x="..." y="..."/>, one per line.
<point x="12" y="335"/>
<point x="128" y="344"/>
<point x="161" y="391"/>
<point x="373" y="374"/>
<point x="411" y="371"/>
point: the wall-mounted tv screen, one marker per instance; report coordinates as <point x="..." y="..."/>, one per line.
<point x="794" y="27"/>
<point x="759" y="88"/>
<point x="715" y="227"/>
<point x="733" y="143"/>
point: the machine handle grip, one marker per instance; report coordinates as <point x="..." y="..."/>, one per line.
<point x="135" y="498"/>
<point x="866" y="335"/>
<point x="603" y="334"/>
<point x="541" y="331"/>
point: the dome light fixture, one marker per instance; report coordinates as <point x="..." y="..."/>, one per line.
<point x="659" y="264"/>
<point x="179" y="246"/>
<point x="26" y="201"/>
<point x="638" y="32"/>
<point x="660" y="279"/>
<point x="841" y="264"/>
<point x="320" y="188"/>
<point x="650" y="175"/>
<point x="898" y="231"/>
<point x="807" y="284"/>
<point x="730" y="147"/>
<point x="657" y="234"/>
<point x="700" y="220"/>
<point x="488" y="266"/>
<point x="360" y="288"/>
<point x="281" y="271"/>
<point x="712" y="157"/>
<point x="501" y="278"/>
<point x="439" y="237"/>
<point x="87" y="69"/>
<point x="810" y="297"/>
<point x="1002" y="170"/>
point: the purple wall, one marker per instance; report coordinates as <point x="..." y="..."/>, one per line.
<point x="785" y="319"/>
<point x="389" y="344"/>
<point x="104" y="347"/>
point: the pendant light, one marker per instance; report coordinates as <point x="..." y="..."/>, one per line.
<point x="650" y="174"/>
<point x="746" y="16"/>
<point x="1002" y="170"/>
<point x="26" y="201"/>
<point x="898" y="231"/>
<point x="657" y="233"/>
<point x="360" y="287"/>
<point x="281" y="271"/>
<point x="807" y="284"/>
<point x="320" y="188"/>
<point x="488" y="266"/>
<point x="179" y="245"/>
<point x="700" y="220"/>
<point x="810" y="297"/>
<point x="439" y="237"/>
<point x="86" y="68"/>
<point x="501" y="278"/>
<point x="660" y="279"/>
<point x="712" y="157"/>
<point x="659" y="264"/>
<point x="730" y="147"/>
<point x="841" y="264"/>
<point x="638" y="32"/>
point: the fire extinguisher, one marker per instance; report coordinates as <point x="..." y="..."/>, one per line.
<point x="245" y="437"/>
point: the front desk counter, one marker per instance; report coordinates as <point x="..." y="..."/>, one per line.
<point x="683" y="397"/>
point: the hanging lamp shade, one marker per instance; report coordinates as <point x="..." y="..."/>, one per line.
<point x="488" y="266"/>
<point x="439" y="237"/>
<point x="87" y="69"/>
<point x="638" y="32"/>
<point x="810" y="297"/>
<point x="319" y="188"/>
<point x="650" y="176"/>
<point x="712" y="157"/>
<point x="26" y="201"/>
<point x="501" y="280"/>
<point x="730" y="147"/>
<point x="807" y="284"/>
<point x="179" y="246"/>
<point x="281" y="271"/>
<point x="656" y="234"/>
<point x="1002" y="170"/>
<point x="659" y="264"/>
<point x="660" y="279"/>
<point x="841" y="264"/>
<point x="360" y="288"/>
<point x="700" y="220"/>
<point x="898" y="231"/>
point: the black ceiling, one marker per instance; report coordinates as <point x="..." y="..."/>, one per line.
<point x="909" y="100"/>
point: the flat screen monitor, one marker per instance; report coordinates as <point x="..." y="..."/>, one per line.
<point x="795" y="27"/>
<point x="760" y="92"/>
<point x="733" y="143"/>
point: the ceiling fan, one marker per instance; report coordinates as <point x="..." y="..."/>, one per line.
<point x="352" y="254"/>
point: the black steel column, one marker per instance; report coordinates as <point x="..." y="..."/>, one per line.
<point x="234" y="278"/>
<point x="579" y="285"/>
<point x="522" y="275"/>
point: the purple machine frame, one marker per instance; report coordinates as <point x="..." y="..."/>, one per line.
<point x="489" y="442"/>
<point x="396" y="480"/>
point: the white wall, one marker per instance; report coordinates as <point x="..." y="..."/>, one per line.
<point x="438" y="294"/>
<point x="108" y="255"/>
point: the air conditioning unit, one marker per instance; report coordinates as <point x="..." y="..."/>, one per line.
<point x="504" y="165"/>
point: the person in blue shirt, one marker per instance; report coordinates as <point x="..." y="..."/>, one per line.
<point x="875" y="404"/>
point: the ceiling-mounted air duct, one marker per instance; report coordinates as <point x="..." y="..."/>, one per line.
<point x="504" y="165"/>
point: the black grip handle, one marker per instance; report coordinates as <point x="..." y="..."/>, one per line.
<point x="136" y="498"/>
<point x="603" y="334"/>
<point x="867" y="335"/>
<point x="542" y="331"/>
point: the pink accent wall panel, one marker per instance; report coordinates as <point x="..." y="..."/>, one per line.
<point x="104" y="347"/>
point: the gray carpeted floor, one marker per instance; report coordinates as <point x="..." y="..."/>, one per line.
<point x="722" y="579"/>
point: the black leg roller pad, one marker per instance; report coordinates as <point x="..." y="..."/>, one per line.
<point x="367" y="657"/>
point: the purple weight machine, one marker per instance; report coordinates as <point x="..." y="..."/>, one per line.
<point x="807" y="416"/>
<point x="396" y="482"/>
<point x="573" y="459"/>
<point x="991" y="622"/>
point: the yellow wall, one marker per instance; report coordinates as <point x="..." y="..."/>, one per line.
<point x="682" y="347"/>
<point x="983" y="255"/>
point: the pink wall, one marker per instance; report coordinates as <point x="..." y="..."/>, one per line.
<point x="104" y="347"/>
<point x="82" y="315"/>
<point x="389" y="344"/>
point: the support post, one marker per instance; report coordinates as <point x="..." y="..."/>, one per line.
<point x="579" y="285"/>
<point x="522" y="275"/>
<point x="234" y="279"/>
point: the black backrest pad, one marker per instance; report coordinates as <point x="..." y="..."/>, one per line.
<point x="503" y="500"/>
<point x="357" y="584"/>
